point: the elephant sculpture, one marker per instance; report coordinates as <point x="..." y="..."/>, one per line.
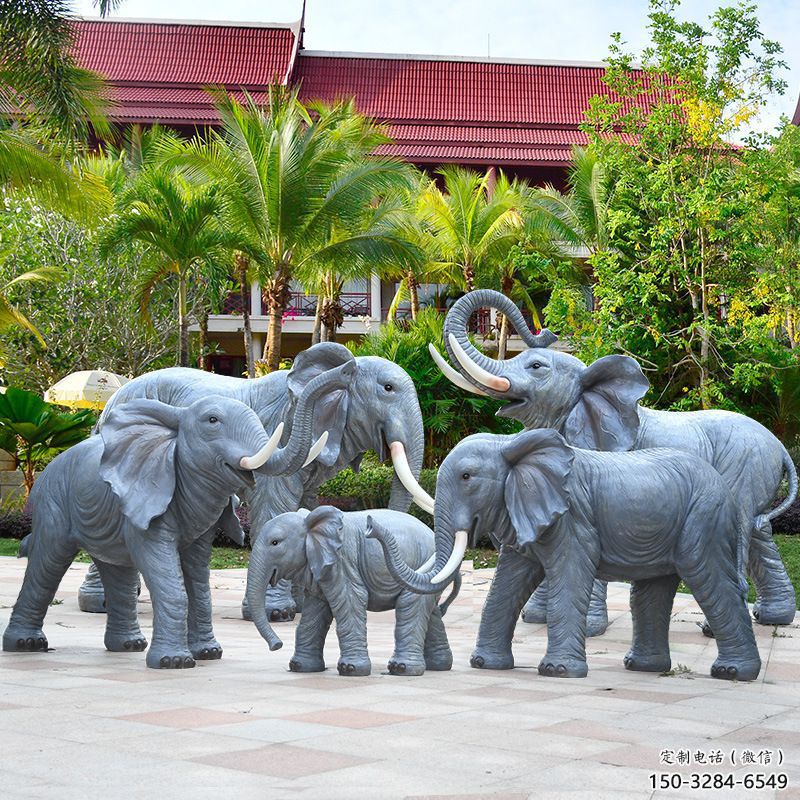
<point x="344" y="575"/>
<point x="651" y="516"/>
<point x="146" y="495"/>
<point x="597" y="407"/>
<point x="378" y="409"/>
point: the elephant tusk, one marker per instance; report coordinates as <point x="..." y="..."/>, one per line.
<point x="482" y="376"/>
<point x="459" y="548"/>
<point x="400" y="463"/>
<point x="316" y="448"/>
<point x="452" y="375"/>
<point x="263" y="455"/>
<point x="427" y="565"/>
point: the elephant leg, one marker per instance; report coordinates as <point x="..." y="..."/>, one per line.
<point x="123" y="634"/>
<point x="515" y="579"/>
<point x="279" y="602"/>
<point x="196" y="575"/>
<point x="651" y="608"/>
<point x="349" y="606"/>
<point x="310" y="635"/>
<point x="158" y="561"/>
<point x="535" y="611"/>
<point x="438" y="655"/>
<point x="91" y="595"/>
<point x="721" y="593"/>
<point x="776" y="603"/>
<point x="412" y="612"/>
<point x="597" y="618"/>
<point x="48" y="560"/>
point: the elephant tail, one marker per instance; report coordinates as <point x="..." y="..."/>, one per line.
<point x="24" y="547"/>
<point x="762" y="520"/>
<point x="453" y="594"/>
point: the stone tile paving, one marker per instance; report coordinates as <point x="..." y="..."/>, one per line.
<point x="80" y="721"/>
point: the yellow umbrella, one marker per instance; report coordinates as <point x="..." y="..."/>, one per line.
<point x="89" y="388"/>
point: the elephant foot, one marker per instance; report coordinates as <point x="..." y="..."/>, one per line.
<point x="125" y="643"/>
<point x="300" y="664"/>
<point x="742" y="671"/>
<point x="281" y="614"/>
<point x="647" y="662"/>
<point x="485" y="659"/>
<point x="534" y="613"/>
<point x="596" y="624"/>
<point x="406" y="667"/>
<point x="439" y="663"/>
<point x="766" y="613"/>
<point x="554" y="667"/>
<point x="160" y="658"/>
<point x="354" y="668"/>
<point x="207" y="651"/>
<point x="24" y="641"/>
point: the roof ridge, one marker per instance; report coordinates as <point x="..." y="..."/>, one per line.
<point x="211" y="23"/>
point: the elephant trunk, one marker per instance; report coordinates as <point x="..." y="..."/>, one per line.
<point x="259" y="574"/>
<point x="414" y="439"/>
<point x="489" y="371"/>
<point x="298" y="449"/>
<point x="432" y="582"/>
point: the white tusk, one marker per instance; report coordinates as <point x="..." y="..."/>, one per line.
<point x="265" y="453"/>
<point x="427" y="565"/>
<point x="316" y="448"/>
<point x="400" y="463"/>
<point x="459" y="548"/>
<point x="483" y="377"/>
<point x="452" y="375"/>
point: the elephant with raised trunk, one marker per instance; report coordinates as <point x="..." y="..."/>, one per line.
<point x="378" y="409"/>
<point x="651" y="516"/>
<point x="597" y="407"/>
<point x="344" y="575"/>
<point x="146" y="495"/>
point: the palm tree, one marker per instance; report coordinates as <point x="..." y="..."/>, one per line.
<point x="297" y="184"/>
<point x="178" y="222"/>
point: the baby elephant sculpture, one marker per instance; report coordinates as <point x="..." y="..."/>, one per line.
<point x="146" y="495"/>
<point x="344" y="575"/>
<point x="650" y="516"/>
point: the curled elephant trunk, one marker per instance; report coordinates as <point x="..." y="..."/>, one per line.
<point x="430" y="582"/>
<point x="475" y="366"/>
<point x="259" y="575"/>
<point x="299" y="449"/>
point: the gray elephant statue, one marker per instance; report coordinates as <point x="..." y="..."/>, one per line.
<point x="597" y="407"/>
<point x="344" y="575"/>
<point x="378" y="410"/>
<point x="146" y="495"/>
<point x="651" y="516"/>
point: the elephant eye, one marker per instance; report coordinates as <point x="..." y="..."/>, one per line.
<point x="274" y="542"/>
<point x="213" y="419"/>
<point x="465" y="476"/>
<point x="388" y="387"/>
<point x="535" y="365"/>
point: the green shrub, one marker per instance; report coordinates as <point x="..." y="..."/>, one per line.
<point x="14" y="524"/>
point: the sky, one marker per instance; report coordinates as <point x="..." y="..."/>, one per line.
<point x="571" y="30"/>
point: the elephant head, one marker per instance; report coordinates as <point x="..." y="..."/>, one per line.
<point x="301" y="546"/>
<point x="378" y="411"/>
<point x="595" y="407"/>
<point x="515" y="487"/>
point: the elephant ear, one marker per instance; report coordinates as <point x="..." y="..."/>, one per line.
<point x="330" y="411"/>
<point x="536" y="494"/>
<point x="605" y="416"/>
<point x="323" y="539"/>
<point x="138" y="461"/>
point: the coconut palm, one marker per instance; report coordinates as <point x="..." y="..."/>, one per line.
<point x="178" y="223"/>
<point x="297" y="184"/>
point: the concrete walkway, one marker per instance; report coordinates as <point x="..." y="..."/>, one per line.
<point x="81" y="722"/>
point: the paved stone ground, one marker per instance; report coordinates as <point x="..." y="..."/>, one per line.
<point x="80" y="721"/>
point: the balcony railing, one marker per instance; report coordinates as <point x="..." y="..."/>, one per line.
<point x="480" y="322"/>
<point x="354" y="304"/>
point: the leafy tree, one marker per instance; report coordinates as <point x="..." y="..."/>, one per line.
<point x="33" y="430"/>
<point x="297" y="185"/>
<point x="449" y="414"/>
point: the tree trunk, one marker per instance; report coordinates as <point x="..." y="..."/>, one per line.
<point x="242" y="264"/>
<point x="278" y="295"/>
<point x="506" y="285"/>
<point x="202" y="361"/>
<point x="183" y="321"/>
<point x="469" y="277"/>
<point x="27" y="471"/>
<point x="316" y="334"/>
<point x="411" y="282"/>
